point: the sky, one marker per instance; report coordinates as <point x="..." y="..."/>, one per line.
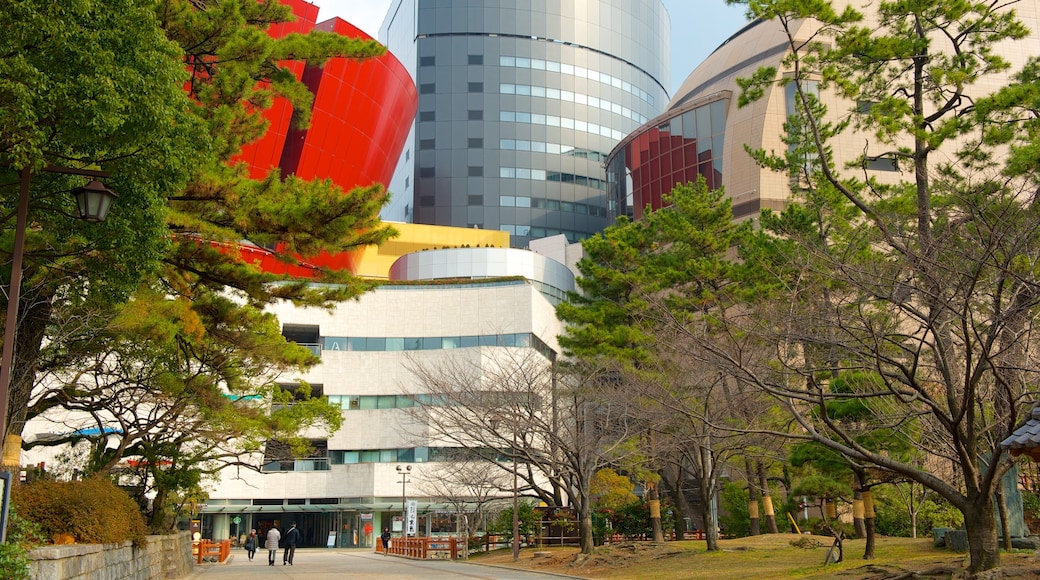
<point x="698" y="27"/>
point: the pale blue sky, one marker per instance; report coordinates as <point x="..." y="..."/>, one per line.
<point x="698" y="27"/>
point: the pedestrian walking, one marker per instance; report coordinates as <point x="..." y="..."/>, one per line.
<point x="251" y="544"/>
<point x="273" y="535"/>
<point x="386" y="541"/>
<point x="292" y="537"/>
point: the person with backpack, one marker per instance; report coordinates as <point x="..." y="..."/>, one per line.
<point x="292" y="537"/>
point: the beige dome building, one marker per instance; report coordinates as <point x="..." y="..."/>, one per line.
<point x="704" y="132"/>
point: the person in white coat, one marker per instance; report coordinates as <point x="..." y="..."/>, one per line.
<point x="273" y="536"/>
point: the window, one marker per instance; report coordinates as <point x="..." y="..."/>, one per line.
<point x="426" y="172"/>
<point x="476" y="87"/>
<point x="475" y="143"/>
<point x="425" y="201"/>
<point x="476" y="59"/>
<point x="475" y="115"/>
<point x="477" y="200"/>
<point x="426" y="89"/>
<point x="426" y="115"/>
<point x="475" y="171"/>
<point x="426" y="144"/>
<point x="427" y="61"/>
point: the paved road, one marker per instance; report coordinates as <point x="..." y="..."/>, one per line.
<point x="325" y="564"/>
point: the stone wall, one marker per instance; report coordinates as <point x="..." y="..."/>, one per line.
<point x="162" y="557"/>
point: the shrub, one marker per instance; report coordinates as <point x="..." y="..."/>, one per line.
<point x="22" y="536"/>
<point x="93" y="511"/>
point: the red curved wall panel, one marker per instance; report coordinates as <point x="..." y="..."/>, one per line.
<point x="360" y="119"/>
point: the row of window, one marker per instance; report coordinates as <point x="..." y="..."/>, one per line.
<point x="542" y="175"/>
<point x="564" y="122"/>
<point x="572" y="97"/>
<point x="578" y="71"/>
<point x="536" y="233"/>
<point x="379" y="344"/>
<point x="551" y="204"/>
<point x="553" y="148"/>
<point x="408" y="454"/>
<point x="370" y="402"/>
<point x="383" y="344"/>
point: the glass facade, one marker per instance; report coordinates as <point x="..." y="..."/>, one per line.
<point x="512" y="88"/>
<point x="673" y="149"/>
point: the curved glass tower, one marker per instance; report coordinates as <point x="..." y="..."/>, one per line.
<point x="519" y="107"/>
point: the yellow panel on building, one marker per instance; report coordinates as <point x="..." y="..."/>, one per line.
<point x="376" y="261"/>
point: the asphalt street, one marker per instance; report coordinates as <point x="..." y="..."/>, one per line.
<point x="325" y="564"/>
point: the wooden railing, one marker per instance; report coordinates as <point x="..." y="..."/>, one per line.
<point x="204" y="549"/>
<point x="423" y="548"/>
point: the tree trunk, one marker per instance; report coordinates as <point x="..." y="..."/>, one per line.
<point x="868" y="523"/>
<point x="752" y="500"/>
<point x="585" y="539"/>
<point x="655" y="514"/>
<point x="767" y="500"/>
<point x="680" y="503"/>
<point x="35" y="315"/>
<point x="981" y="525"/>
<point x="711" y="522"/>
<point x="1005" y="523"/>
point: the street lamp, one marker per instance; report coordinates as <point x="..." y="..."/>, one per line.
<point x="92" y="203"/>
<point x="404" y="470"/>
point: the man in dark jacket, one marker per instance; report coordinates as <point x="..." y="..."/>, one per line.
<point x="386" y="540"/>
<point x="292" y="537"/>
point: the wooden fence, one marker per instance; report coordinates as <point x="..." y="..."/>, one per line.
<point x="423" y="548"/>
<point x="204" y="549"/>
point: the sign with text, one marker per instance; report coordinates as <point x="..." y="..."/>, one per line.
<point x="412" y="516"/>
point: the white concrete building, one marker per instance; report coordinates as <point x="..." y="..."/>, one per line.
<point x="351" y="489"/>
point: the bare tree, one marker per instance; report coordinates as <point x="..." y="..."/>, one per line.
<point x="514" y="404"/>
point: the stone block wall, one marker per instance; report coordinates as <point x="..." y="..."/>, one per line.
<point x="162" y="557"/>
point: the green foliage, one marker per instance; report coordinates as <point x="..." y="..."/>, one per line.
<point x="14" y="562"/>
<point x="734" y="517"/>
<point x="93" y="511"/>
<point x="634" y="519"/>
<point x="529" y="521"/>
<point x="611" y="491"/>
<point x="22" y="536"/>
<point x="822" y="527"/>
<point x="193" y="343"/>
<point x="891" y="517"/>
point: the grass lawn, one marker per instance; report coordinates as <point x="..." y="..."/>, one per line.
<point x="768" y="556"/>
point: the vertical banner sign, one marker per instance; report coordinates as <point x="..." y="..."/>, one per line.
<point x="413" y="507"/>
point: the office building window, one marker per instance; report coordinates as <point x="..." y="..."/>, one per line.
<point x="475" y="171"/>
<point x="476" y="115"/>
<point x="476" y="59"/>
<point x="476" y="87"/>
<point x="476" y="143"/>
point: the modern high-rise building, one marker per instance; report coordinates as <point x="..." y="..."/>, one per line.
<point x="519" y="105"/>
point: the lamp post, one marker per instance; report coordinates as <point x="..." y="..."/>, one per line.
<point x="404" y="470"/>
<point x="516" y="513"/>
<point x="92" y="203"/>
<point x="494" y="422"/>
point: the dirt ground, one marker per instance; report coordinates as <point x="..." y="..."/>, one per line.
<point x="763" y="557"/>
